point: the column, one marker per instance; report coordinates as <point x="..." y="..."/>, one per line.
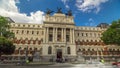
<point x="73" y="36"/>
<point x="62" y="35"/>
<point x="47" y="34"/>
<point x="53" y="34"/>
<point x="56" y="35"/>
<point x="44" y="35"/>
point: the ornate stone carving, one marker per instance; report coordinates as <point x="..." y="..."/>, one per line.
<point x="48" y="11"/>
<point x="59" y="10"/>
<point x="69" y="13"/>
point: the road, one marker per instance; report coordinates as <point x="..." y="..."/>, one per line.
<point x="59" y="65"/>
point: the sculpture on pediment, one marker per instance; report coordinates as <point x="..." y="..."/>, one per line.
<point x="48" y="11"/>
<point x="59" y="10"/>
<point x="69" y="13"/>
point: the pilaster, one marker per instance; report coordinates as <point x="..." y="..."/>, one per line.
<point x="53" y="34"/>
<point x="62" y="35"/>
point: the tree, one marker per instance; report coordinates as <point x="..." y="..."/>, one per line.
<point x="4" y="28"/>
<point x="112" y="34"/>
<point x="6" y="45"/>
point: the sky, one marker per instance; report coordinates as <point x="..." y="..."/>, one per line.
<point x="85" y="12"/>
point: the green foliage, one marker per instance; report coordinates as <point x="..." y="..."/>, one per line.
<point x="112" y="34"/>
<point x="4" y="28"/>
<point x="8" y="34"/>
<point x="6" y="46"/>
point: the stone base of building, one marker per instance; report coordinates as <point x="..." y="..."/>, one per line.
<point x="54" y="59"/>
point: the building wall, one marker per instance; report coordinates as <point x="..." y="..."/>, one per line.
<point x="28" y="37"/>
<point x="84" y="42"/>
<point x="90" y="46"/>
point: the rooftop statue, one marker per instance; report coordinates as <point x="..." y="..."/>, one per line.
<point x="59" y="10"/>
<point x="69" y="13"/>
<point x="48" y="11"/>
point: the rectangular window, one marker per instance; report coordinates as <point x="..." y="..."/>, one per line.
<point x="27" y="32"/>
<point x="32" y="32"/>
<point x="67" y="38"/>
<point x="86" y="34"/>
<point x="78" y="34"/>
<point x="50" y="37"/>
<point x="23" y="25"/>
<point x="22" y="31"/>
<point x="82" y="34"/>
<point x="37" y="32"/>
<point x="17" y="31"/>
<point x="59" y="38"/>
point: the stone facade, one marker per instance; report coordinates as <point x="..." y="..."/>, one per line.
<point x="57" y="38"/>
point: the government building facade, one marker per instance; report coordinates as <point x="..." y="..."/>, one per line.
<point x="58" y="38"/>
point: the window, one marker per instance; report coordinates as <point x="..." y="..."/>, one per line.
<point x="86" y="34"/>
<point x="27" y="32"/>
<point x="22" y="31"/>
<point x="50" y="37"/>
<point x="37" y="32"/>
<point x="23" y="25"/>
<point x="19" y="25"/>
<point x="82" y="34"/>
<point x="49" y="50"/>
<point x="67" y="38"/>
<point x="59" y="38"/>
<point x="28" y="25"/>
<point x="68" y="50"/>
<point x="32" y="32"/>
<point x="17" y="31"/>
<point x="19" y="49"/>
<point x="78" y="34"/>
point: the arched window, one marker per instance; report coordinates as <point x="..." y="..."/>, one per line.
<point x="49" y="50"/>
<point x="68" y="50"/>
<point x="19" y="50"/>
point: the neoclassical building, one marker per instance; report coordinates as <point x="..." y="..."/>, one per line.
<point x="58" y="37"/>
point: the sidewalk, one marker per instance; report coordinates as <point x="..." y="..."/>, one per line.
<point x="28" y="64"/>
<point x="41" y="63"/>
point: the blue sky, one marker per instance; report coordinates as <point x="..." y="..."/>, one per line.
<point x="85" y="12"/>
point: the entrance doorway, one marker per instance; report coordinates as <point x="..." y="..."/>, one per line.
<point x="59" y="55"/>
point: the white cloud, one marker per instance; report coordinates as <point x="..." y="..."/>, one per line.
<point x="91" y="22"/>
<point x="9" y="9"/>
<point x="66" y="3"/>
<point x="89" y="5"/>
<point x="86" y="5"/>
